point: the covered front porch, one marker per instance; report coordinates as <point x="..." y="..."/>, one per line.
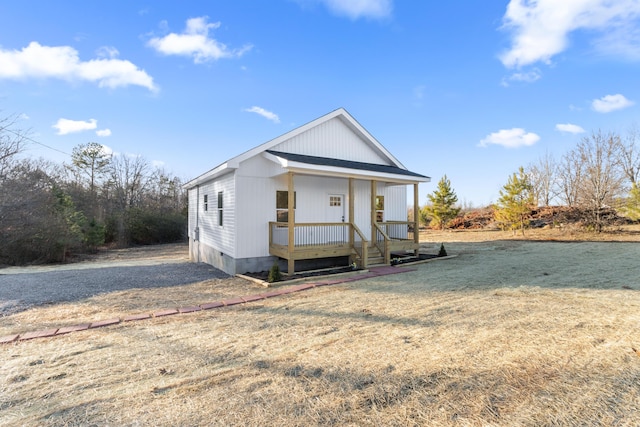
<point x="292" y="240"/>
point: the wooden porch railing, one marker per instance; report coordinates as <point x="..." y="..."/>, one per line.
<point x="310" y="234"/>
<point x="393" y="236"/>
<point x="318" y="240"/>
<point x="360" y="245"/>
<point x="327" y="239"/>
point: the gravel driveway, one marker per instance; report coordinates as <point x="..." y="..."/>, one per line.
<point x="24" y="287"/>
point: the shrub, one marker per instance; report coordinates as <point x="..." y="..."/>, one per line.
<point x="274" y="273"/>
<point x="442" y="251"/>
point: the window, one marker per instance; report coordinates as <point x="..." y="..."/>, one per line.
<point x="206" y="202"/>
<point x="335" y="201"/>
<point x="220" y="214"/>
<point x="379" y="208"/>
<point x="282" y="205"/>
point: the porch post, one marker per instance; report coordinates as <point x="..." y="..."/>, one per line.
<point x="416" y="219"/>
<point x="374" y="190"/>
<point x="291" y="222"/>
<point x="351" y="212"/>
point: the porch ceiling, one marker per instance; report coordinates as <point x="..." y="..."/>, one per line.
<point x="324" y="166"/>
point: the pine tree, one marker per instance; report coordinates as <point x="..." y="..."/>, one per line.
<point x="441" y="209"/>
<point x="632" y="210"/>
<point x="515" y="202"/>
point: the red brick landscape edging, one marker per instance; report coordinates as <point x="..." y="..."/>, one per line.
<point x="47" y="333"/>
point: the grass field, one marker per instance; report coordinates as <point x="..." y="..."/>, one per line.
<point x="508" y="333"/>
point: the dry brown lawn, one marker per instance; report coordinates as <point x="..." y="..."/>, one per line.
<point x="509" y="333"/>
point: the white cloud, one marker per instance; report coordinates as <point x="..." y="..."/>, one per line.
<point x="510" y="138"/>
<point x="157" y="163"/>
<point x="66" y="126"/>
<point x="195" y="42"/>
<point x="108" y="150"/>
<point x="107" y="52"/>
<point x="355" y="9"/>
<point x="63" y="62"/>
<point x="569" y="128"/>
<point x="264" y="113"/>
<point x="528" y="77"/>
<point x="103" y="132"/>
<point x="540" y="29"/>
<point x="610" y="103"/>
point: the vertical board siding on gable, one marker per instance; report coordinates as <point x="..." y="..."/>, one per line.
<point x="332" y="139"/>
<point x="211" y="234"/>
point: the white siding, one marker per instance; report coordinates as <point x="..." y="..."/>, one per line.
<point x="256" y="207"/>
<point x="362" y="207"/>
<point x="332" y="139"/>
<point x="395" y="203"/>
<point x="193" y="211"/>
<point x="312" y="193"/>
<point x="218" y="237"/>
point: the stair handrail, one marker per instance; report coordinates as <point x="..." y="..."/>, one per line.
<point x="384" y="250"/>
<point x="363" y="254"/>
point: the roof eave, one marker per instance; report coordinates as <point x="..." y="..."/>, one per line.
<point x="333" y="171"/>
<point x="222" y="169"/>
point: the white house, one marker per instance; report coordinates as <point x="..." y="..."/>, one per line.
<point x="326" y="190"/>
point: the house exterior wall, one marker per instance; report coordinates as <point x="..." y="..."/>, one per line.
<point x="242" y="243"/>
<point x="257" y="206"/>
<point x="395" y="202"/>
<point x="338" y="141"/>
<point x="208" y="241"/>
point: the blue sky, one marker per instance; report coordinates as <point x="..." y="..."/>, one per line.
<point x="471" y="89"/>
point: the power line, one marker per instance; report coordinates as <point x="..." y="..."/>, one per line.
<point x="34" y="141"/>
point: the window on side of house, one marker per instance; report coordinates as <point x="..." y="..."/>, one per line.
<point x="282" y="205"/>
<point x="220" y="210"/>
<point x="206" y="202"/>
<point x="379" y="208"/>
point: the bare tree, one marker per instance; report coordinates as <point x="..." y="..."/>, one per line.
<point x="569" y="178"/>
<point x="11" y="143"/>
<point x="165" y="192"/>
<point x="602" y="177"/>
<point x="129" y="178"/>
<point x="543" y="177"/>
<point x="630" y="155"/>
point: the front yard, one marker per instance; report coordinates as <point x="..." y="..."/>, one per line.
<point x="508" y="333"/>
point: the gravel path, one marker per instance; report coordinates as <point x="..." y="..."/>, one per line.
<point x="21" y="288"/>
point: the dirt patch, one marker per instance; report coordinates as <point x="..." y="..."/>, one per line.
<point x="623" y="233"/>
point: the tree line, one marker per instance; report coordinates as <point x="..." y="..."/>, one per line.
<point x="49" y="211"/>
<point x="598" y="175"/>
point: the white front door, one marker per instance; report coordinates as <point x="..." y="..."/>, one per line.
<point x="336" y="208"/>
<point x="336" y="214"/>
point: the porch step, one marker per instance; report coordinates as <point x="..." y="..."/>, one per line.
<point x="376" y="262"/>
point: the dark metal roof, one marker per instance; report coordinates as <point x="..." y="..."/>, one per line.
<point x="348" y="164"/>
